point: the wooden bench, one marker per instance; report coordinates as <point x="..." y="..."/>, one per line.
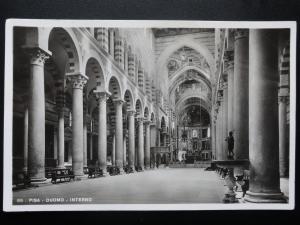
<point x="94" y="172"/>
<point x="61" y="174"/>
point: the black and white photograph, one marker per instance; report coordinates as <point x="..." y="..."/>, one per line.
<point x="152" y="115"/>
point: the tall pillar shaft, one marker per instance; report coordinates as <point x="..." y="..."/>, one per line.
<point x="141" y="78"/>
<point x="113" y="152"/>
<point x="78" y="81"/>
<point x="263" y="121"/>
<point x="225" y="120"/>
<point x="119" y="135"/>
<point x="230" y="78"/>
<point x="131" y="141"/>
<point x="102" y="137"/>
<point x="111" y="42"/>
<point x="220" y="138"/>
<point x="102" y="37"/>
<point x="36" y="117"/>
<point x="283" y="150"/>
<point x="84" y="145"/>
<point x="131" y="66"/>
<point x="25" y="149"/>
<point x="147" y="144"/>
<point x="70" y="153"/>
<point x="55" y="144"/>
<point x="158" y="137"/>
<point x="165" y="139"/>
<point x="125" y="60"/>
<point x="119" y="51"/>
<point x="124" y="150"/>
<point x="241" y="95"/>
<point x="91" y="146"/>
<point x="140" y="144"/>
<point x="61" y="139"/>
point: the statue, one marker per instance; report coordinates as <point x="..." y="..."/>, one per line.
<point x="230" y="143"/>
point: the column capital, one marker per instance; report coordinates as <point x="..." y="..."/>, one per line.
<point x="131" y="112"/>
<point x="241" y="33"/>
<point x="152" y="123"/>
<point x="101" y="95"/>
<point x="147" y="122"/>
<point x="140" y="119"/>
<point x="78" y="80"/>
<point x="37" y="55"/>
<point x="118" y="101"/>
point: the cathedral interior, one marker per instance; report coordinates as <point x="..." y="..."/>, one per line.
<point x="128" y="105"/>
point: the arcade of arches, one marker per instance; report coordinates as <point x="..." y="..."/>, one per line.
<point x="145" y="99"/>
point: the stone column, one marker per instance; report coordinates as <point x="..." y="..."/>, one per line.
<point x="147" y="144"/>
<point x="61" y="139"/>
<point x="69" y="152"/>
<point x="140" y="144"/>
<point x="263" y="121"/>
<point x="125" y="59"/>
<point x="119" y="51"/>
<point x="91" y="146"/>
<point x="124" y="150"/>
<point x="36" y="116"/>
<point x="131" y="142"/>
<point x="283" y="137"/>
<point x="84" y="145"/>
<point x="165" y="139"/>
<point x="55" y="144"/>
<point x="78" y="82"/>
<point x="158" y="137"/>
<point x="219" y="140"/>
<point x="102" y="137"/>
<point x="241" y="95"/>
<point x="131" y="66"/>
<point x="102" y="37"/>
<point x="213" y="137"/>
<point x="140" y="78"/>
<point x="111" y="42"/>
<point x="113" y="152"/>
<point x="230" y="77"/>
<point x="119" y="134"/>
<point x="25" y="150"/>
<point x="225" y="119"/>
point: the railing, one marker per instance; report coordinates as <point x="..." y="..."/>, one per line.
<point x="160" y="149"/>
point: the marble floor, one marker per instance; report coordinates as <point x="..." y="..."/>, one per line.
<point x="168" y="185"/>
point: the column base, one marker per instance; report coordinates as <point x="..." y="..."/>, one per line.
<point x="230" y="198"/>
<point x="121" y="171"/>
<point x="147" y="167"/>
<point x="105" y="173"/>
<point x="140" y="169"/>
<point x="78" y="176"/>
<point x="38" y="180"/>
<point x="265" y="197"/>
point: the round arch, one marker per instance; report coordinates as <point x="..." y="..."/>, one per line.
<point x="188" y="42"/>
<point x="178" y="79"/>
<point x="128" y="97"/>
<point x="146" y="113"/>
<point x="63" y="44"/>
<point x="201" y="101"/>
<point x="114" y="88"/>
<point x="139" y="107"/>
